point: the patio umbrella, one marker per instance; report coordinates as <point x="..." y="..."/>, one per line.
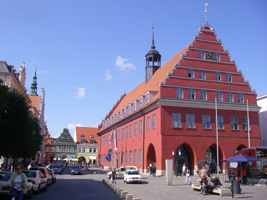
<point x="241" y="158"/>
<point x="57" y="159"/>
<point x="66" y="159"/>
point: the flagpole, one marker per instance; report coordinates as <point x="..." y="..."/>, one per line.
<point x="217" y="140"/>
<point x="248" y="121"/>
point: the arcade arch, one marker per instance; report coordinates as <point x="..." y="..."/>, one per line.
<point x="211" y="158"/>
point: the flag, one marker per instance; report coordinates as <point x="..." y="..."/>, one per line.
<point x="115" y="140"/>
<point x="110" y="139"/>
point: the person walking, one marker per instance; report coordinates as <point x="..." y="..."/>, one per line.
<point x="18" y="182"/>
<point x="150" y="169"/>
<point x="188" y="177"/>
<point x="113" y="173"/>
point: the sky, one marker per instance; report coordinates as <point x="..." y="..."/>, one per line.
<point x="88" y="53"/>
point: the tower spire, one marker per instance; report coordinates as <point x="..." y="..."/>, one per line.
<point x="153" y="42"/>
<point x="33" y="91"/>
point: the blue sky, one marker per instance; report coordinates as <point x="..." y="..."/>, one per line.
<point x="86" y="50"/>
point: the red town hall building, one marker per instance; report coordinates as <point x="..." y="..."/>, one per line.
<point x="171" y="115"/>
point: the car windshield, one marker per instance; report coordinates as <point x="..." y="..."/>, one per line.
<point x="5" y="176"/>
<point x="56" y="166"/>
<point x="133" y="172"/>
<point x="75" y="167"/>
<point x="30" y="174"/>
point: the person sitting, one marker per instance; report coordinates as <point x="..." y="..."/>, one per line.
<point x="203" y="184"/>
<point x="216" y="181"/>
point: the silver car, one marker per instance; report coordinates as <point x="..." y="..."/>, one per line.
<point x="37" y="178"/>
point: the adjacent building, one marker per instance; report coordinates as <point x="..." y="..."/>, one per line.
<point x="87" y="143"/>
<point x="172" y="114"/>
<point x="262" y="103"/>
<point x="65" y="147"/>
<point x="49" y="148"/>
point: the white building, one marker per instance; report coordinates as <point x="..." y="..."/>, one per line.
<point x="262" y="102"/>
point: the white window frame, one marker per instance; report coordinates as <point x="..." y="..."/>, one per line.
<point x="230" y="97"/>
<point x="154" y="122"/>
<point x="191" y="73"/>
<point x="217" y="56"/>
<point x="202" y="74"/>
<point x="218" y="76"/>
<point x="179" y="93"/>
<point x="191" y="94"/>
<point x="234" y="123"/>
<point x="220" y="122"/>
<point x="176" y="120"/>
<point x="228" y="77"/>
<point x="148" y="124"/>
<point x="206" y="121"/>
<point x="190" y="121"/>
<point x="141" y="126"/>
<point x="240" y="98"/>
<point x="201" y="54"/>
<point x="203" y="94"/>
<point x="219" y="95"/>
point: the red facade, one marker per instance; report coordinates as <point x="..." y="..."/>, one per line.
<point x="176" y="109"/>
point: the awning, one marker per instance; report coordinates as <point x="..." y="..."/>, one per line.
<point x="92" y="157"/>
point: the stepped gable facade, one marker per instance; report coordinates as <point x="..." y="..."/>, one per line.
<point x="172" y="115"/>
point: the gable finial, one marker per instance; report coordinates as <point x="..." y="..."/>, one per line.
<point x="206" y="12"/>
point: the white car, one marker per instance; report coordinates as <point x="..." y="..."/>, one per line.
<point x="6" y="190"/>
<point x="37" y="178"/>
<point x="120" y="171"/>
<point x="45" y="172"/>
<point x="131" y="176"/>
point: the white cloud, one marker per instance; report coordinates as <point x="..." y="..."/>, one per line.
<point x="71" y="127"/>
<point x="80" y="93"/>
<point x="123" y="64"/>
<point x="108" y="76"/>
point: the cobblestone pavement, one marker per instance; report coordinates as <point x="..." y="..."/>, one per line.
<point x="156" y="188"/>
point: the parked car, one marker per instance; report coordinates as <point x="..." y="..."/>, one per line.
<point x="58" y="169"/>
<point x="120" y="171"/>
<point x="64" y="164"/>
<point x="6" y="190"/>
<point x="45" y="171"/>
<point x="37" y="178"/>
<point x="76" y="169"/>
<point x="52" y="173"/>
<point x="132" y="176"/>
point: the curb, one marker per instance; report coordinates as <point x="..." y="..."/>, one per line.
<point x="122" y="194"/>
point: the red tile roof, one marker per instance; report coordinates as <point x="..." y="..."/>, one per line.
<point x="152" y="85"/>
<point x="35" y="101"/>
<point x="86" y="131"/>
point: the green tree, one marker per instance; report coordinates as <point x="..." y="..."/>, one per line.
<point x="19" y="130"/>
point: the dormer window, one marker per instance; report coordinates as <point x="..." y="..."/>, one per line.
<point x="148" y="97"/>
<point x="141" y="101"/>
<point x="135" y="105"/>
<point x="129" y="108"/>
<point x="92" y="141"/>
<point x="125" y="111"/>
<point x="91" y="136"/>
<point x="120" y="114"/>
<point x="82" y="141"/>
<point x="82" y="136"/>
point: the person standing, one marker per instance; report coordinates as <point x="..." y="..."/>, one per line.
<point x="18" y="183"/>
<point x="150" y="169"/>
<point x="183" y="170"/>
<point x="188" y="177"/>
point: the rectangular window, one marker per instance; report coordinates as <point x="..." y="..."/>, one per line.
<point x="201" y="54"/>
<point x="122" y="134"/>
<point x="229" y="77"/>
<point x="83" y="150"/>
<point x="126" y="135"/>
<point x="131" y="130"/>
<point x="122" y="157"/>
<point x="72" y="149"/>
<point x="61" y="149"/>
<point x="154" y="122"/>
<point x="202" y="75"/>
<point x="240" y="98"/>
<point x="176" y="120"/>
<point x="130" y="157"/>
<point x="179" y="93"/>
<point x="190" y="73"/>
<point x="135" y="156"/>
<point x="126" y="157"/>
<point x="140" y="156"/>
<point x="218" y="76"/>
<point x="119" y="154"/>
<point x="190" y="121"/>
<point x="219" y="96"/>
<point x="245" y="123"/>
<point x="79" y="149"/>
<point x="52" y="149"/>
<point x="148" y="124"/>
<point x="48" y="149"/>
<point x="119" y="134"/>
<point x="57" y="149"/>
<point x="191" y="93"/>
<point x="230" y="97"/>
<point x="217" y="56"/>
<point x="220" y="122"/>
<point x="94" y="150"/>
<point x="67" y="149"/>
<point x="141" y="126"/>
<point x="90" y="150"/>
<point x="234" y="123"/>
<point x="135" y="128"/>
<point x="206" y="122"/>
<point x="203" y="94"/>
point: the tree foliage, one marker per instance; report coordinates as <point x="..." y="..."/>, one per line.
<point x="19" y="130"/>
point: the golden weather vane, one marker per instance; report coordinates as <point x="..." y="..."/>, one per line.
<point x="206" y="11"/>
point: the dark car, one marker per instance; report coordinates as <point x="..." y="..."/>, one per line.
<point x="58" y="169"/>
<point x="75" y="169"/>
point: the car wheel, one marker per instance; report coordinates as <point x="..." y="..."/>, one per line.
<point x="30" y="194"/>
<point x="39" y="190"/>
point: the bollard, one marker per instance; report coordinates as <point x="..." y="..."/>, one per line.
<point x="119" y="190"/>
<point x="129" y="197"/>
<point x="123" y="194"/>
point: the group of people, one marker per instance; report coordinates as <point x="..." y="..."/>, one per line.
<point x="208" y="183"/>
